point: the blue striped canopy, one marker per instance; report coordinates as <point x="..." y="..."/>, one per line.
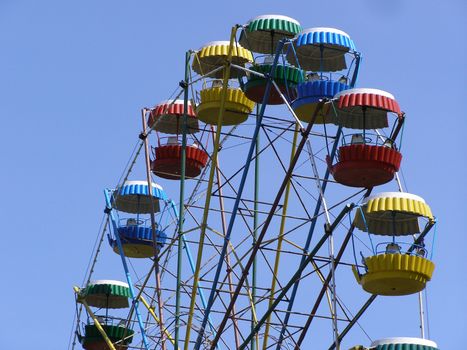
<point x="133" y="197"/>
<point x="313" y="91"/>
<point x="321" y="50"/>
<point x="326" y="36"/>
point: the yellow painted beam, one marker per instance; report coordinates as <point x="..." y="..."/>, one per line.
<point x="153" y="314"/>
<point x="209" y="189"/>
<point x="94" y="318"/>
<point x="279" y="243"/>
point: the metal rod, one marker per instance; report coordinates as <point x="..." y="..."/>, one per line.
<point x="181" y="213"/>
<point x="357" y="68"/>
<point x="323" y="280"/>
<point x="255" y="342"/>
<point x="275" y="126"/>
<point x="191" y="262"/>
<point x="208" y="194"/>
<point x="235" y="207"/>
<point x="252" y="306"/>
<point x="88" y="279"/>
<point x="279" y="243"/>
<point x="153" y="228"/>
<point x="288" y="105"/>
<point x="400" y="123"/>
<point x="270" y="215"/>
<point x="334" y="294"/>
<point x="354" y="320"/>
<point x="422" y="315"/>
<point x="258" y="74"/>
<point x="96" y="321"/>
<point x="284" y="168"/>
<point x="204" y="75"/>
<point x="422" y="235"/>
<point x="298" y="273"/>
<point x="309" y="237"/>
<point x="317" y="181"/>
<point x="125" y="266"/>
<point x="328" y="279"/>
<point x="318" y="205"/>
<point x="323" y="291"/>
<point x="270" y="144"/>
<point x="154" y="316"/>
<point x="399" y="184"/>
<point x="227" y="256"/>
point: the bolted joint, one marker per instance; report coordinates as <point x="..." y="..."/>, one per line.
<point x="183" y="84"/>
<point x="227" y="64"/>
<point x="327" y="228"/>
<point x="143" y="136"/>
<point x="107" y="210"/>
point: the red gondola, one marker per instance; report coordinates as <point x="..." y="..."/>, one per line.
<point x="166" y="118"/>
<point x="369" y="160"/>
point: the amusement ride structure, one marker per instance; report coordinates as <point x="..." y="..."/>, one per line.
<point x="262" y="194"/>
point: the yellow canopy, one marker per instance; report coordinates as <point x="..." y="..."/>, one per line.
<point x="392" y="214"/>
<point x="213" y="55"/>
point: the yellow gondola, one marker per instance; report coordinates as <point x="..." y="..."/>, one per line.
<point x="237" y="106"/>
<point x="393" y="271"/>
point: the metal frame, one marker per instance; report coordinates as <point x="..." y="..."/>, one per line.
<point x="220" y="312"/>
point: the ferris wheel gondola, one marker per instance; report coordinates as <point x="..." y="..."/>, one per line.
<point x="364" y="159"/>
<point x="166" y="119"/>
<point x="261" y="35"/>
<point x="322" y="52"/>
<point x="236" y="107"/>
<point x="135" y="231"/>
<point x="105" y="330"/>
<point x="396" y="267"/>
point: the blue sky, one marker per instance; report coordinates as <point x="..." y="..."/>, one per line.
<point x="74" y="76"/>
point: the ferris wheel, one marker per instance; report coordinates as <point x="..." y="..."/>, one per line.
<point x="261" y="192"/>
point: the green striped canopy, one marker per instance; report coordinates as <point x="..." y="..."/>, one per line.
<point x="404" y="347"/>
<point x="280" y="24"/>
<point x="106" y="294"/>
<point x="262" y="33"/>
<point x="403" y="343"/>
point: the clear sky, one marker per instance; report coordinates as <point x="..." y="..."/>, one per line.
<point x="75" y="74"/>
